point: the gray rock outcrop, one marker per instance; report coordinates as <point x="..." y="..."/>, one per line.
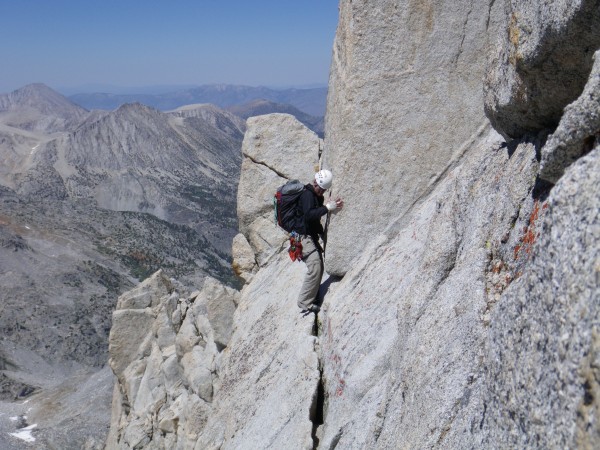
<point x="182" y="383"/>
<point x="244" y="262"/>
<point x="165" y="353"/>
<point x="541" y="63"/>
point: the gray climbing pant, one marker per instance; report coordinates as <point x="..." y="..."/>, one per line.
<point x="312" y="280"/>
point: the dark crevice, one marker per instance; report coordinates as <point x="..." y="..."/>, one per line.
<point x="317" y="409"/>
<point x="220" y="346"/>
<point x="464" y="34"/>
<point x="315" y="327"/>
<point x="540" y="140"/>
<point x="318" y="406"/>
<point x="541" y="189"/>
<point x="588" y="396"/>
<point x="260" y="163"/>
<point x="589" y="143"/>
<point x="489" y="16"/>
<point x="511" y="146"/>
<point x="483" y="416"/>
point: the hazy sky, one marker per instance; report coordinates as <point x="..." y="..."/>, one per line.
<point x="72" y="43"/>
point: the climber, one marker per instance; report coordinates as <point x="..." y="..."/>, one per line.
<point x="310" y="229"/>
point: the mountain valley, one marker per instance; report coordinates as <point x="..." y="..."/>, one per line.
<point x="91" y="203"/>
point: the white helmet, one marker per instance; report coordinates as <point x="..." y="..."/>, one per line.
<point x="324" y="178"/>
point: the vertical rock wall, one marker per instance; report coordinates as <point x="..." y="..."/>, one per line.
<point x="403" y="333"/>
<point x="471" y="321"/>
<point x="405" y="101"/>
<point x="543" y="373"/>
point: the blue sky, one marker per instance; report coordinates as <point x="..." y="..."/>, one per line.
<point x="134" y="43"/>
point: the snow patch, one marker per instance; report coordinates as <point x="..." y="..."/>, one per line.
<point x="25" y="433"/>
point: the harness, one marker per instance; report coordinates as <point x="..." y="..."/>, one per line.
<point x="295" y="248"/>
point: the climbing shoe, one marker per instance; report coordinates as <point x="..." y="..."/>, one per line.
<point x="311" y="309"/>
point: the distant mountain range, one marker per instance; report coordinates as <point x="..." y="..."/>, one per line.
<point x="134" y="158"/>
<point x="91" y="202"/>
<point x="260" y="107"/>
<point x="310" y="101"/>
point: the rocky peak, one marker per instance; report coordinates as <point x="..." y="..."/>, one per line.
<point x="38" y="95"/>
<point x="131" y="109"/>
<point x="38" y="107"/>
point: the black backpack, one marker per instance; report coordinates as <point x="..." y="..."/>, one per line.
<point x="288" y="212"/>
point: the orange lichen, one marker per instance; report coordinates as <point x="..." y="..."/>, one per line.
<point x="497" y="267"/>
<point x="530" y="232"/>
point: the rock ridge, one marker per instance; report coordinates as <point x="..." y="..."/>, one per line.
<point x="167" y="366"/>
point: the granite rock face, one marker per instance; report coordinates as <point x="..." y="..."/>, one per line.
<point x="404" y="331"/>
<point x="544" y="345"/>
<point x="578" y="130"/>
<point x="269" y="379"/>
<point x="541" y="63"/>
<point x="404" y="103"/>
